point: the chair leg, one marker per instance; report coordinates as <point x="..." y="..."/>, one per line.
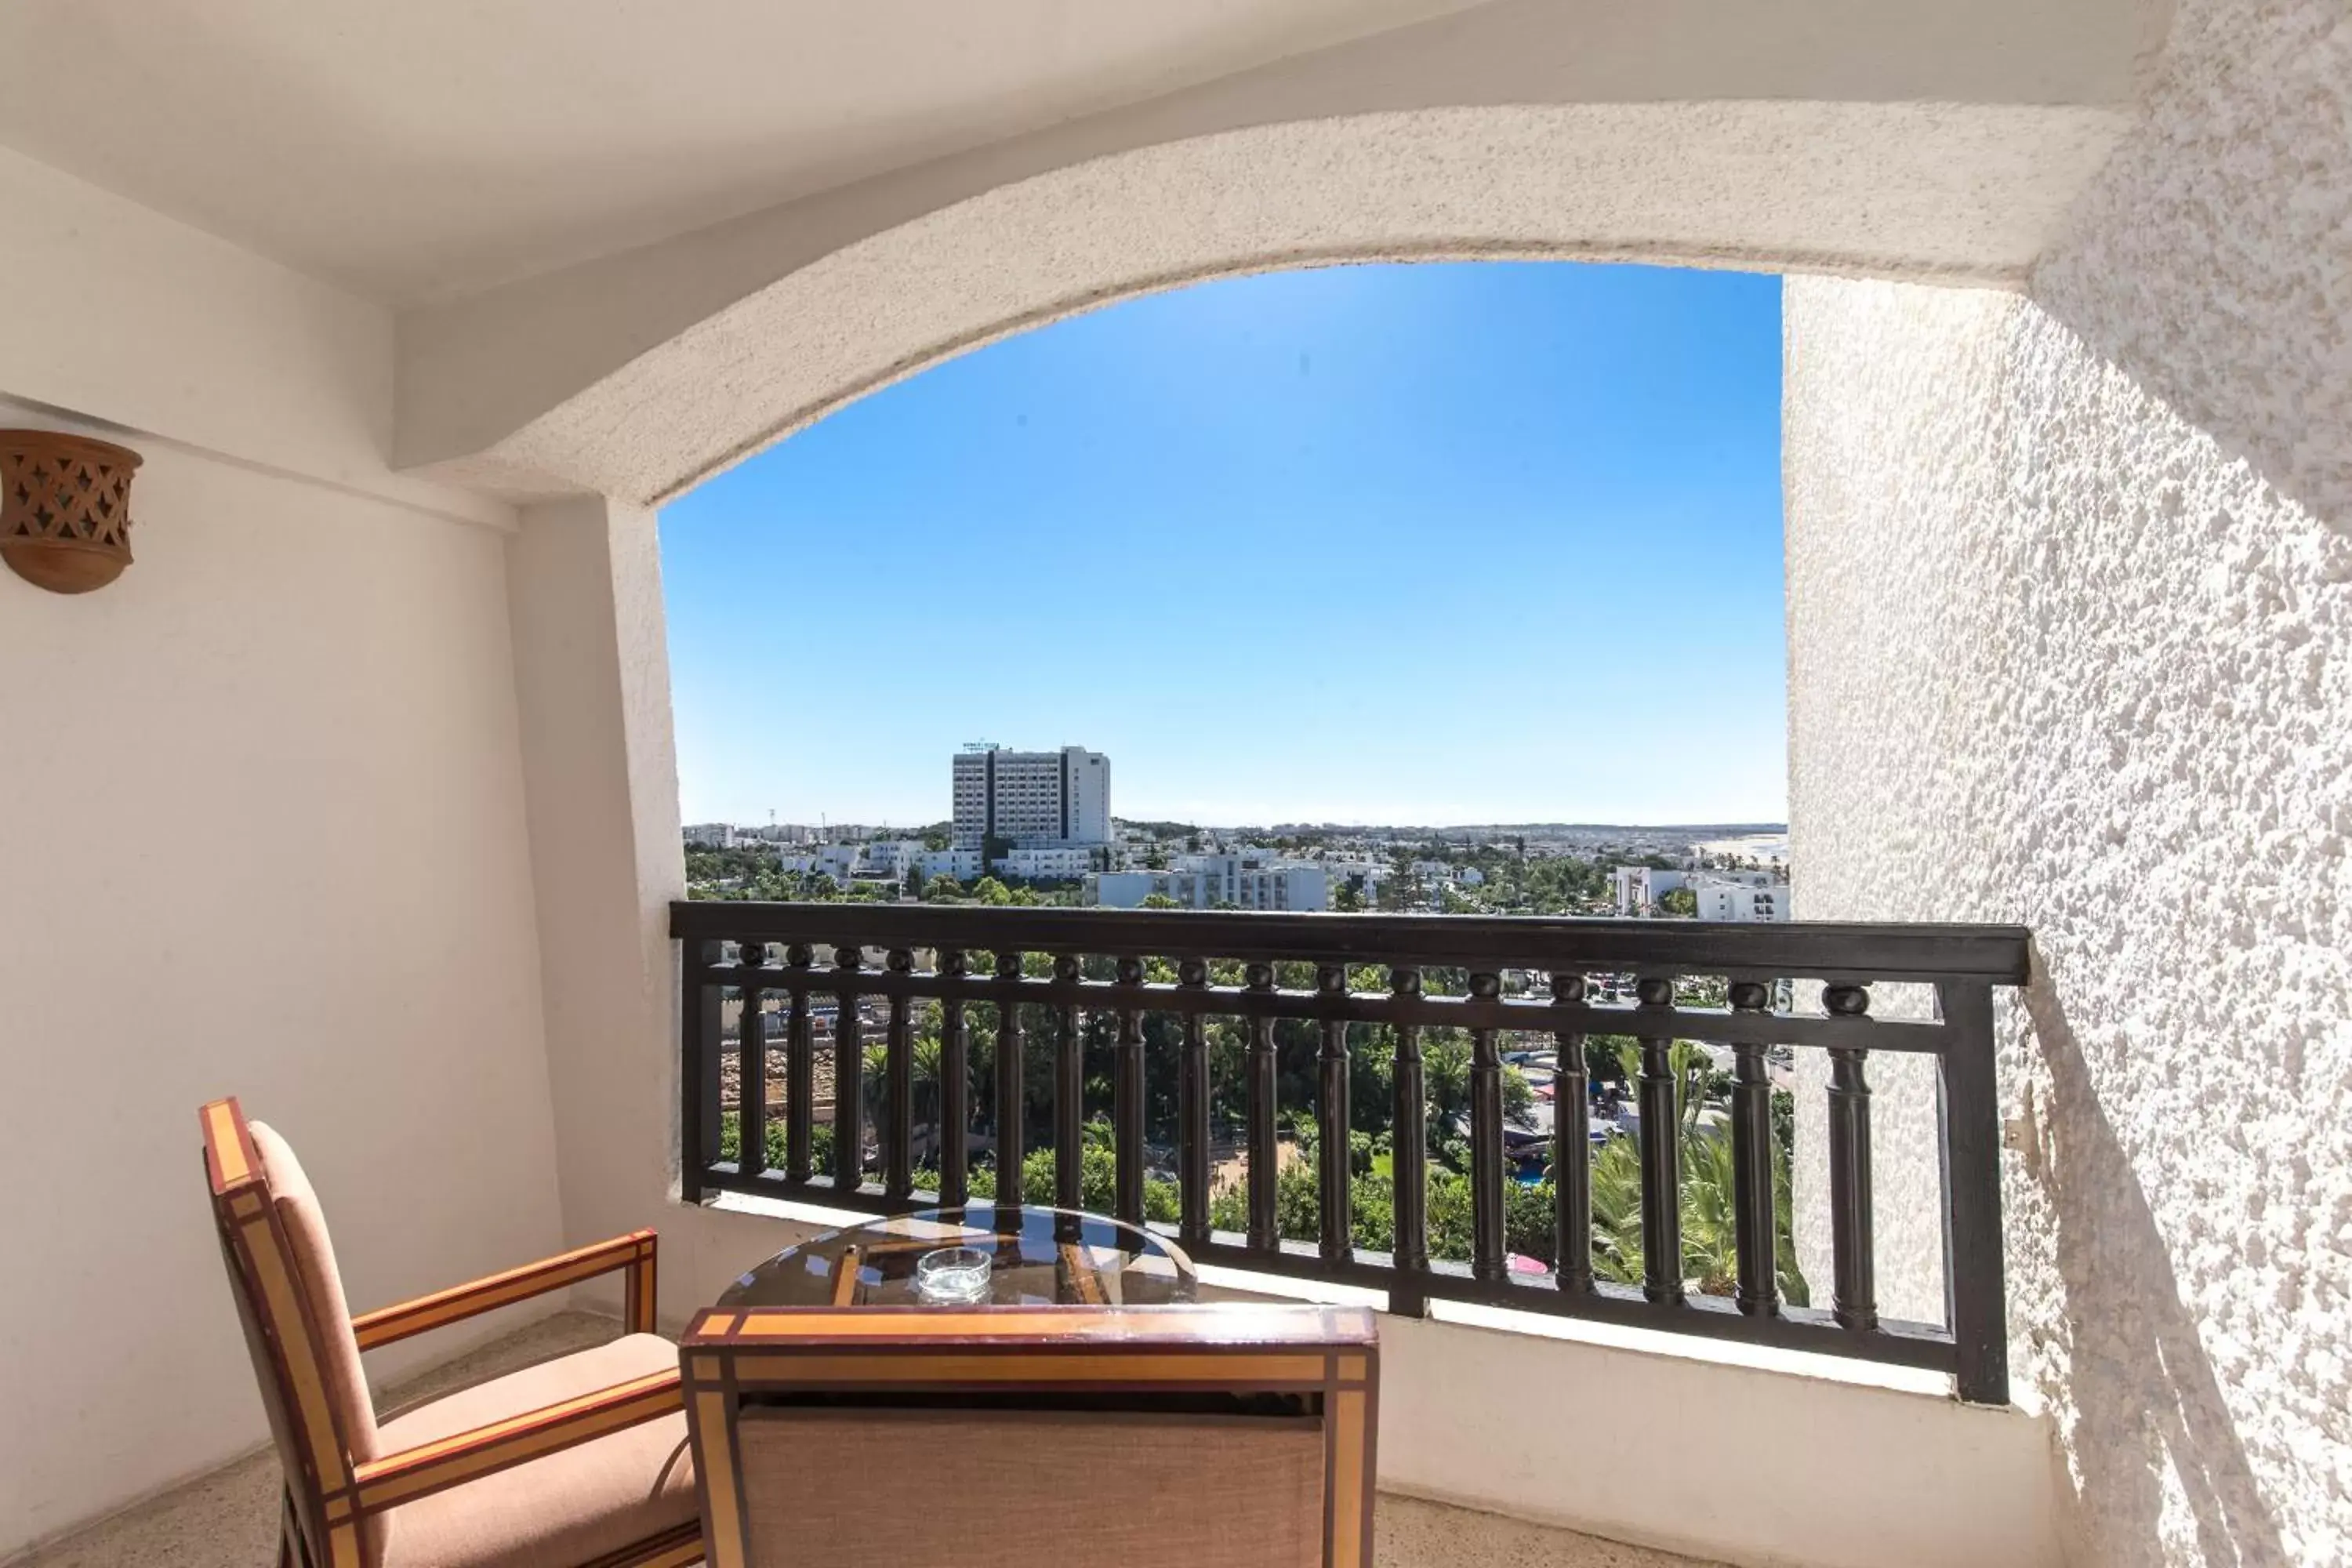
<point x="290" y="1550"/>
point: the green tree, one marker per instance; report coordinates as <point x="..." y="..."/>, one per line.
<point x="1605" y="1057"/>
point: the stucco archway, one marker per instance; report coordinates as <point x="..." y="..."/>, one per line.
<point x="1943" y="193"/>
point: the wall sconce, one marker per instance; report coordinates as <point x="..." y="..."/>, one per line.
<point x="65" y="509"/>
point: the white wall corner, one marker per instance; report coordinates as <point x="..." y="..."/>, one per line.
<point x="592" y="676"/>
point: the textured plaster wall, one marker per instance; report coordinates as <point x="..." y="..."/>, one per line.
<point x="2213" y="257"/>
<point x="1853" y="135"/>
<point x="1937" y="190"/>
<point x="2071" y="644"/>
<point x="2058" y="656"/>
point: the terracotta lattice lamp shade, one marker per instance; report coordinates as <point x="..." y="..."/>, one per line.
<point x="65" y="509"/>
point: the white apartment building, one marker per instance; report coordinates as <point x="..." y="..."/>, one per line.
<point x="1031" y="798"/>
<point x="1220" y="874"/>
<point x="710" y="836"/>
<point x="1722" y="897"/>
<point x="892" y="856"/>
<point x="1638" y="887"/>
<point x="1051" y="862"/>
<point x="1282" y="887"/>
<point x="1127" y="889"/>
<point x="1291" y="887"/>
<point x="838" y="861"/>
<point x="1366" y="874"/>
<point x="963" y="865"/>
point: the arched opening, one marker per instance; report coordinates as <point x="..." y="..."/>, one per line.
<point x="1447" y="589"/>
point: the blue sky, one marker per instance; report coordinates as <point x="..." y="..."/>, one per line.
<point x="1469" y="543"/>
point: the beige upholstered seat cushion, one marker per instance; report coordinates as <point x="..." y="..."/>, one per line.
<point x="559" y="1512"/>
<point x="305" y="1225"/>
<point x="998" y="1488"/>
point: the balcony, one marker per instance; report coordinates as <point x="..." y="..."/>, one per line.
<point x="1030" y="980"/>
<point x="356" y="795"/>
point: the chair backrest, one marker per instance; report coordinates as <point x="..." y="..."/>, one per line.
<point x="297" y="1327"/>
<point x="1209" y="1436"/>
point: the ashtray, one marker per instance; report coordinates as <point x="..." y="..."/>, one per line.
<point x="952" y="1275"/>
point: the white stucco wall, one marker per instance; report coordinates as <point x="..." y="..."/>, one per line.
<point x="2071" y="645"/>
<point x="592" y="667"/>
<point x="263" y="836"/>
<point x="2056" y="657"/>
<point x="261" y="833"/>
<point x="1938" y="142"/>
<point x="122" y="313"/>
<point x="2213" y="257"/>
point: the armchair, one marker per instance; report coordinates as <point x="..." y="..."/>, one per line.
<point x="579" y="1463"/>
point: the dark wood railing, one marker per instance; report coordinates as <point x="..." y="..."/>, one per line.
<point x="742" y="956"/>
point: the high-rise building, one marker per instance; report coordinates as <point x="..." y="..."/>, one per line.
<point x="1031" y="798"/>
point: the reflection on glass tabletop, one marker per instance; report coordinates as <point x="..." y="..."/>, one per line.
<point x="1034" y="1256"/>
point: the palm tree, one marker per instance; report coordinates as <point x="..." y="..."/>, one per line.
<point x="1616" y="1211"/>
<point x="1710" y="1231"/>
<point x="930" y="1091"/>
<point x="1445" y="1074"/>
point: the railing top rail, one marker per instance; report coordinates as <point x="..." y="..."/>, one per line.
<point x="1995" y="954"/>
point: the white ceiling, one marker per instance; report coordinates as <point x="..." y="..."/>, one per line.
<point x="415" y="148"/>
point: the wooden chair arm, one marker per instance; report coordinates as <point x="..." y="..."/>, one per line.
<point x="633" y="1252"/>
<point x="468" y="1455"/>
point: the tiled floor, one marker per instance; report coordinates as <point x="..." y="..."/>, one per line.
<point x="229" y="1519"/>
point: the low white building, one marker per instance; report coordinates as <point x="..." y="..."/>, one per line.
<point x="1049" y="862"/>
<point x="1723" y="898"/>
<point x="891" y="856"/>
<point x="1286" y="886"/>
<point x="963" y="865"/>
<point x="838" y="861"/>
<point x="1220" y="875"/>
<point x="1128" y="889"/>
<point x="883" y="858"/>
<point x="1639" y="887"/>
<point x="1366" y="876"/>
<point x="1279" y="887"/>
<point x="1721" y="895"/>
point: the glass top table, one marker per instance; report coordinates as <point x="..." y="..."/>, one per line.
<point x="981" y="1255"/>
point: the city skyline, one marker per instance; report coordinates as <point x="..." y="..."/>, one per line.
<point x="1285" y="545"/>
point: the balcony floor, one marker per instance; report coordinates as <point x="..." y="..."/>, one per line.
<point x="229" y="1519"/>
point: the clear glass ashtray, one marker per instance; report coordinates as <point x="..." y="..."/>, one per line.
<point x="952" y="1275"/>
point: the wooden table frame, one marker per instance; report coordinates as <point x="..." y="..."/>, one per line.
<point x="1327" y="1353"/>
